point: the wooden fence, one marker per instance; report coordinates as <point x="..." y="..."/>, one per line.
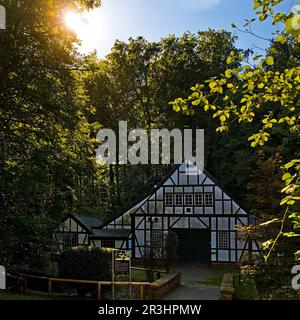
<point x="98" y="284"/>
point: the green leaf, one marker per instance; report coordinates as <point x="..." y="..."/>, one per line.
<point x="222" y="118"/>
<point x="257" y="57"/>
<point x="280" y="39"/>
<point x="291" y="234"/>
<point x="289" y="165"/>
<point x="270" y="60"/>
<point x="261" y="85"/>
<point x="284" y="201"/>
<point x="286" y="176"/>
<point x="263" y="17"/>
<point x="256" y="5"/>
<point x="212" y="84"/>
<point x="267" y="244"/>
<point x="228" y="73"/>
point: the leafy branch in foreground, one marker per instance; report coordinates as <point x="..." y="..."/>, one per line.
<point x="261" y="94"/>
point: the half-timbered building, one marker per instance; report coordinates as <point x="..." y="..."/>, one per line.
<point x="201" y="213"/>
<point x="188" y="202"/>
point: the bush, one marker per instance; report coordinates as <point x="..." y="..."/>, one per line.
<point x="273" y="281"/>
<point x="245" y="289"/>
<point x="85" y="263"/>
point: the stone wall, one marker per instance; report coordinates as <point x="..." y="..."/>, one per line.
<point x="161" y="287"/>
<point x="227" y="289"/>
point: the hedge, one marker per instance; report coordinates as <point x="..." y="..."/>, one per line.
<point x="85" y="263"/>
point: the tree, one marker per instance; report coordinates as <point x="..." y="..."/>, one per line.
<point x="263" y="196"/>
<point x="45" y="136"/>
<point x="136" y="81"/>
<point x="259" y="94"/>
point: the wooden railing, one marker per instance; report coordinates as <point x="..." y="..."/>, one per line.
<point x="98" y="284"/>
<point x="148" y="269"/>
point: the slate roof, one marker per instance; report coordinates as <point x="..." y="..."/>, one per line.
<point x="88" y="222"/>
<point x="111" y="234"/>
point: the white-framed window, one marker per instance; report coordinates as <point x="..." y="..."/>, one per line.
<point x="168" y="199"/>
<point x="70" y="240"/>
<point x="208" y="199"/>
<point x="178" y="199"/>
<point x="157" y="238"/>
<point x="198" y="199"/>
<point x="188" y="199"/>
<point x="188" y="210"/>
<point x="223" y="239"/>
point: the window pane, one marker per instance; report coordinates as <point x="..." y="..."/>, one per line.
<point x="70" y="240"/>
<point x="198" y="199"/>
<point x="208" y="199"/>
<point x="178" y="199"/>
<point x="168" y="199"/>
<point x="188" y="199"/>
<point x="223" y="240"/>
<point x="157" y="238"/>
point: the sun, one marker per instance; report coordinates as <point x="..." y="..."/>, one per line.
<point x="74" y="21"/>
<point x="89" y="27"/>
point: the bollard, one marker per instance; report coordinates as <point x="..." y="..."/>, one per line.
<point x="2" y="278"/>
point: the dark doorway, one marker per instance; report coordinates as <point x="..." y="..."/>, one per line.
<point x="194" y="245"/>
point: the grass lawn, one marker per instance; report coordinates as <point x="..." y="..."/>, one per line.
<point x="7" y="295"/>
<point x="140" y="275"/>
<point x="216" y="280"/>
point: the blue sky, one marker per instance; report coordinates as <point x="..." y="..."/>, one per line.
<point x="154" y="19"/>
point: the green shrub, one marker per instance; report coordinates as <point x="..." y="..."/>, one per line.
<point x="273" y="280"/>
<point x="245" y="290"/>
<point x="85" y="263"/>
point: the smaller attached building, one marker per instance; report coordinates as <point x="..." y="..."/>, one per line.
<point x="111" y="238"/>
<point x="75" y="231"/>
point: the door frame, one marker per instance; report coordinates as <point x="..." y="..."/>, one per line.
<point x="208" y="230"/>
